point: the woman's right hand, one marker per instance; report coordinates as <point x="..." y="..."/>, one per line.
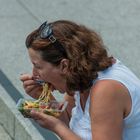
<point x="30" y="86"/>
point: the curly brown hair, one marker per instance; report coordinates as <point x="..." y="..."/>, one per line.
<point x="83" y="47"/>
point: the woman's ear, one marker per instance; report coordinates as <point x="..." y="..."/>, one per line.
<point x="64" y="64"/>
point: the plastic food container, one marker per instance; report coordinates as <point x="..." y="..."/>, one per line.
<point x="52" y="108"/>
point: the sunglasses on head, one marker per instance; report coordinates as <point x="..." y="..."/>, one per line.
<point x="46" y="32"/>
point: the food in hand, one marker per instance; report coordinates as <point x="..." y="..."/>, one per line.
<point x="43" y="104"/>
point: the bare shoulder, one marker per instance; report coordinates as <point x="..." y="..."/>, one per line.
<point x="110" y="102"/>
<point x="110" y="90"/>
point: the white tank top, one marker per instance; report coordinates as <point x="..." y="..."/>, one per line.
<point x="80" y="121"/>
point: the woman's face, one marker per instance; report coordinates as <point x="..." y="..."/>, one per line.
<point x="48" y="72"/>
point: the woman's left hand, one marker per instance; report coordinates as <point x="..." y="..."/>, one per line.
<point x="55" y="125"/>
<point x="46" y="121"/>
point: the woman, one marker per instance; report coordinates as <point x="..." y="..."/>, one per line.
<point x="103" y="94"/>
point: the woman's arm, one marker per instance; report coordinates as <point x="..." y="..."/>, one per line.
<point x="55" y="125"/>
<point x="66" y="115"/>
<point x="110" y="102"/>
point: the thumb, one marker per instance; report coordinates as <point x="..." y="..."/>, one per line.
<point x="36" y="113"/>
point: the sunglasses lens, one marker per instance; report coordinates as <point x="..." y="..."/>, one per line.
<point x="46" y="31"/>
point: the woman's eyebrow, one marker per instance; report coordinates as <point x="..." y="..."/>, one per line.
<point x="35" y="63"/>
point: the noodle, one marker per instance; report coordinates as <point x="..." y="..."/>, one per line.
<point x="44" y="103"/>
<point x="46" y="93"/>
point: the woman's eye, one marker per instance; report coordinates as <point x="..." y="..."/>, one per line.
<point x="37" y="67"/>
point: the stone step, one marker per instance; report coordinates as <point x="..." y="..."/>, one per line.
<point x="3" y="134"/>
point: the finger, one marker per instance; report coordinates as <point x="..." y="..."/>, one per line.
<point x="30" y="88"/>
<point x="44" y="120"/>
<point x="24" y="77"/>
<point x="29" y="83"/>
<point x="37" y="115"/>
<point x="34" y="92"/>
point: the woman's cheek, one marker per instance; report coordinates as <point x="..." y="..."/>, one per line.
<point x="44" y="76"/>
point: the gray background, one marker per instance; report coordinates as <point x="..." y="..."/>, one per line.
<point x="117" y="21"/>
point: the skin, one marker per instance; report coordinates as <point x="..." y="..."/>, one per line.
<point x="110" y="102"/>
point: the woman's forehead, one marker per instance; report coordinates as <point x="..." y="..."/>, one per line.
<point x="34" y="55"/>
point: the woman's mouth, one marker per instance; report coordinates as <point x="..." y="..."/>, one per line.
<point x="42" y="82"/>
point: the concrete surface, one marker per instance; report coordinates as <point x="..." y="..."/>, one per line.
<point x="3" y="134"/>
<point x="118" y="22"/>
<point x="12" y="124"/>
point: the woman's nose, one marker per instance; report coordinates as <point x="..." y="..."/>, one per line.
<point x="35" y="73"/>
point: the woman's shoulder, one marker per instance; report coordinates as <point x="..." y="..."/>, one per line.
<point x="108" y="93"/>
<point x="108" y="87"/>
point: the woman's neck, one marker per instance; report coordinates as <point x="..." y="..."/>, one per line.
<point x="83" y="99"/>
